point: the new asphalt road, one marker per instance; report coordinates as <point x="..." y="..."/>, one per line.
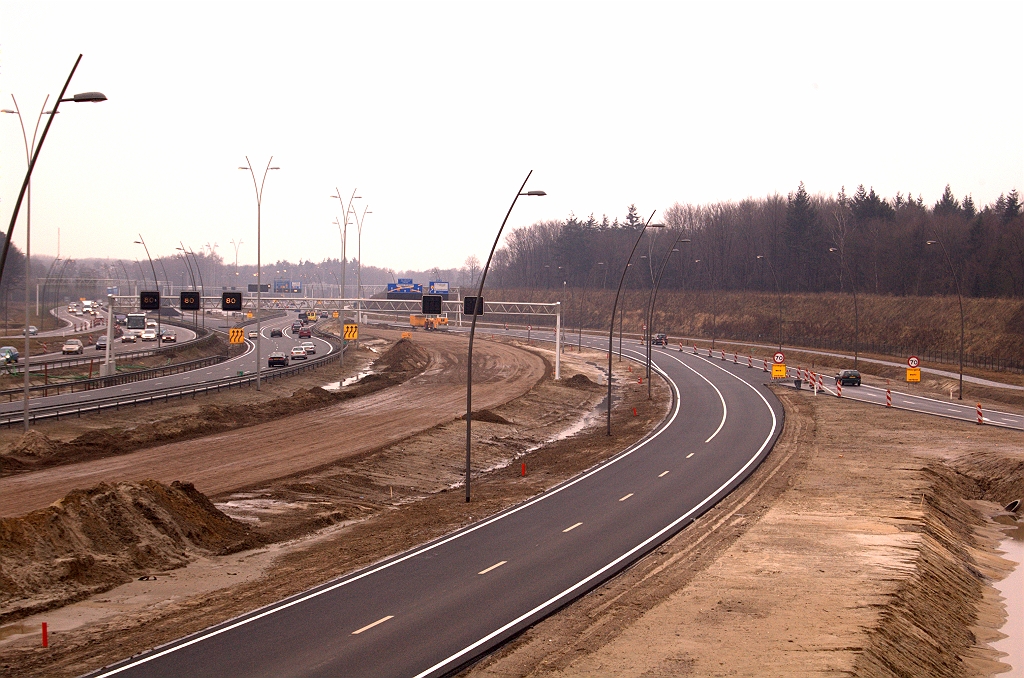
<point x="431" y="610"/>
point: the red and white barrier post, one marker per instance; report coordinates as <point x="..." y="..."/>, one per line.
<point x="765" y="364"/>
<point x="750" y="361"/>
<point x="981" y="420"/>
<point x="735" y="359"/>
<point x="888" y="398"/>
<point x="695" y="349"/>
<point x="839" y="389"/>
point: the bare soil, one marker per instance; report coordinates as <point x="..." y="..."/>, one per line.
<point x="347" y="514"/>
<point x="863" y="546"/>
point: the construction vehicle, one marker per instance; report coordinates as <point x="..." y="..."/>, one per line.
<point x="428" y="323"/>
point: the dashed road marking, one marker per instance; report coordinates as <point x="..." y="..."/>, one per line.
<point x="370" y="626"/>
<point x="663" y="474"/>
<point x="492" y="567"/>
<point x="572" y="527"/>
<point x="626" y="497"/>
<point x="689" y="455"/>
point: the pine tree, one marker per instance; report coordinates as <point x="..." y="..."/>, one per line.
<point x="633" y="220"/>
<point x="947" y="204"/>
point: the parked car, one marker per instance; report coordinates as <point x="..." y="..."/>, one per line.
<point x="305" y="333"/>
<point x="129" y="337"/>
<point x="101" y="343"/>
<point x="32" y="330"/>
<point x="72" y="346"/>
<point x="309" y="347"/>
<point x="298" y="353"/>
<point x="848" y="378"/>
<point x="276" y="333"/>
<point x="9" y="354"/>
<point x="277" y="359"/>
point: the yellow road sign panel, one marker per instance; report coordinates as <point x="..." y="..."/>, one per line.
<point x="778" y="371"/>
<point x="334" y="314"/>
<point x="913" y="374"/>
<point x="249" y="314"/>
<point x="406" y="335"/>
<point x="351" y="331"/>
<point x="236" y="335"/>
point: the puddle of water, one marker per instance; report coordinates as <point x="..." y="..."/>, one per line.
<point x="1012" y="590"/>
<point x="335" y="385"/>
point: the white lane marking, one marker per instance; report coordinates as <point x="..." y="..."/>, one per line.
<point x="663" y="474"/>
<point x="492" y="567"/>
<point x="626" y="497"/>
<point x="279" y="606"/>
<point x="725" y="410"/>
<point x="689" y="455"/>
<point x="572" y="527"/>
<point x="642" y="545"/>
<point x="370" y="626"/>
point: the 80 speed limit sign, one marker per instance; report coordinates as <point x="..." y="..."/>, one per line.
<point x="779" y="357"/>
<point x="913" y="361"/>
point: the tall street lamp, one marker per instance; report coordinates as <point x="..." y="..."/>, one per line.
<point x="477" y="310"/>
<point x="611" y="330"/>
<point x="236" y="245"/>
<point x="359" y="271"/>
<point x="960" y="299"/>
<point x="78" y="98"/>
<point x="343" y="227"/>
<point x="259" y="276"/>
<point x="650" y="308"/>
<point x="856" y="312"/>
<point x="156" y="286"/>
<point x="778" y="291"/>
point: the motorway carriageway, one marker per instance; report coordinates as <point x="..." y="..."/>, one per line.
<point x="432" y="609"/>
<point x="245" y="362"/>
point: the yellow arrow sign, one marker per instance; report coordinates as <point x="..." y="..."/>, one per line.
<point x="351" y="331"/>
<point x="236" y="335"/>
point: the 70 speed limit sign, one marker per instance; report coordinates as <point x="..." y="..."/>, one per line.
<point x="779" y="358"/>
<point x="913" y="361"/>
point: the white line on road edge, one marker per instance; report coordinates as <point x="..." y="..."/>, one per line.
<point x="663" y="474"/>
<point x="639" y="547"/>
<point x="370" y="626"/>
<point x="572" y="527"/>
<point x="492" y="567"/>
<point x="279" y="606"/>
<point x="626" y="497"/>
<point x="725" y="410"/>
<point x="689" y="455"/>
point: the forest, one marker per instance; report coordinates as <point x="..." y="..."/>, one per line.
<point x="799" y="243"/>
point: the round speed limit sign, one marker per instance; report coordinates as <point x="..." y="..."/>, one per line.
<point x="913" y="361"/>
<point x="779" y="358"/>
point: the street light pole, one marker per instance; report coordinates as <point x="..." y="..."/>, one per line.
<point x="960" y="299"/>
<point x="856" y="312"/>
<point x="78" y="98"/>
<point x="236" y="246"/>
<point x="650" y="309"/>
<point x="477" y="310"/>
<point x="359" y="271"/>
<point x="611" y="330"/>
<point x="778" y="291"/>
<point x="343" y="228"/>
<point x="259" y="271"/>
<point x="192" y="277"/>
<point x="156" y="284"/>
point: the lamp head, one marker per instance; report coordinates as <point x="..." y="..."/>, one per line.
<point x="832" y="249"/>
<point x="760" y="256"/>
<point x="87" y="96"/>
<point x="931" y="242"/>
<point x="534" y="193"/>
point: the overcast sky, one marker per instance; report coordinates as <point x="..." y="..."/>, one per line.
<point x="436" y="111"/>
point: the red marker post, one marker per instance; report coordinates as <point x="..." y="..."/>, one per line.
<point x="888" y="398"/>
<point x="981" y="420"/>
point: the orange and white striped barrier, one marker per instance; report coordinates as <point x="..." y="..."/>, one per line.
<point x="750" y="361"/>
<point x="723" y="355"/>
<point x="839" y="389"/>
<point x="888" y="398"/>
<point x="680" y="347"/>
<point x="981" y="420"/>
<point x="695" y="350"/>
<point x="765" y="364"/>
<point x="820" y="386"/>
<point x="735" y="359"/>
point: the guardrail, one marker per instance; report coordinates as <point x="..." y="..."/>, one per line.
<point x="166" y="394"/>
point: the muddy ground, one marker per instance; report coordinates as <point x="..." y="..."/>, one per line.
<point x="363" y="507"/>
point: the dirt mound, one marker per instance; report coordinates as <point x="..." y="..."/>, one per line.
<point x="489" y="417"/>
<point x="33" y="445"/>
<point x="93" y="540"/>
<point x="404" y="356"/>
<point x="580" y="381"/>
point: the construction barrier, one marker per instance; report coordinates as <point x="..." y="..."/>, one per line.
<point x="839" y="389"/>
<point x="750" y="361"/>
<point x="765" y="364"/>
<point x="981" y="419"/>
<point x="888" y="398"/>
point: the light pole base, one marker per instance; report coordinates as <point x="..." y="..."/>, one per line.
<point x="108" y="369"/>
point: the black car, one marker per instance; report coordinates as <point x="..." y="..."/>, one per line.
<point x="296" y="326"/>
<point x="848" y="378"/>
<point x="101" y="342"/>
<point x="659" y="340"/>
<point x="277" y="359"/>
<point x="276" y="333"/>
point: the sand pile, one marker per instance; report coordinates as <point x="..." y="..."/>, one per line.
<point x="93" y="540"/>
<point x="580" y="381"/>
<point x="404" y="356"/>
<point x="489" y="417"/>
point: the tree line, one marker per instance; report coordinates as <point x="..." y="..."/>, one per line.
<point x="794" y="243"/>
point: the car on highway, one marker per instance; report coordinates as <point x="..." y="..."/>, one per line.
<point x="170" y="337"/>
<point x="298" y="353"/>
<point x="277" y="359"/>
<point x="72" y="346"/>
<point x="296" y="326"/>
<point x="276" y="333"/>
<point x="9" y="354"/>
<point x="129" y="337"/>
<point x="309" y="347"/>
<point x="253" y="334"/>
<point x="305" y="333"/>
<point x="32" y="330"/>
<point x="848" y="378"/>
<point x="148" y="334"/>
<point x="659" y="339"/>
<point x="101" y="343"/>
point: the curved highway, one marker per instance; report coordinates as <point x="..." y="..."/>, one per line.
<point x="428" y="611"/>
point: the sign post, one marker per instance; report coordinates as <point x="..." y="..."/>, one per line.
<point x="778" y="365"/>
<point x="913" y="370"/>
